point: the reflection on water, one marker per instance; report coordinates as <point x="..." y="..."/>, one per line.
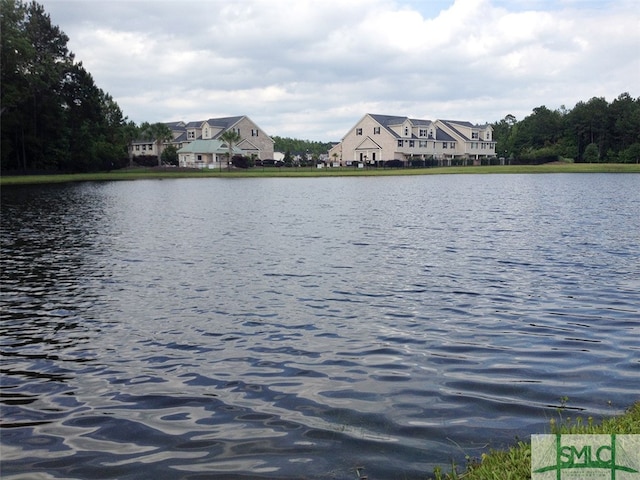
<point x="287" y="328"/>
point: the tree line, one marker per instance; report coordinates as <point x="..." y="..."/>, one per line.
<point x="300" y="147"/>
<point x="53" y="115"/>
<point x="592" y="131"/>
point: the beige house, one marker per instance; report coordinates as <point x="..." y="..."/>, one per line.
<point x="378" y="139"/>
<point x="207" y="152"/>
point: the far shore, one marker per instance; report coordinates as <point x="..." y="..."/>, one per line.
<point x="266" y="172"/>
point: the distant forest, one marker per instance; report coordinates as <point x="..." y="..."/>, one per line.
<point x="53" y="117"/>
<point x="592" y="131"/>
<point x="300" y="147"/>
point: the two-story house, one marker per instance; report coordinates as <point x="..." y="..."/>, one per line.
<point x="376" y="139"/>
<point x="199" y="145"/>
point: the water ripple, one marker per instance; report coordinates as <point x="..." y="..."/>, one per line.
<point x="237" y="330"/>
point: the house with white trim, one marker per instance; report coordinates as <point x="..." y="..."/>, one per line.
<point x="206" y="154"/>
<point x="208" y="151"/>
<point x="378" y="139"/>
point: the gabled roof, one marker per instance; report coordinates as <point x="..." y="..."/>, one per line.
<point x="452" y="125"/>
<point x="243" y="142"/>
<point x="367" y="143"/>
<point x="208" y="146"/>
<point x="387" y="121"/>
<point x="196" y="124"/>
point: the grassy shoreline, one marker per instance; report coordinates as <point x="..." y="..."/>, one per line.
<point x="515" y="462"/>
<point x="269" y="172"/>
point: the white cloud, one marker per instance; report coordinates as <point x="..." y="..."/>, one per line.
<point x="311" y="69"/>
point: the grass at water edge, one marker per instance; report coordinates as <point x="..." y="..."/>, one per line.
<point x="258" y="172"/>
<point x="515" y="462"/>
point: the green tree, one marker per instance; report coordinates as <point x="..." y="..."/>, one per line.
<point x="592" y="131"/>
<point x="170" y="155"/>
<point x="504" y="133"/>
<point x="288" y="159"/>
<point x="231" y="138"/>
<point x="591" y="153"/>
<point x="299" y="147"/>
<point x="34" y="61"/>
<point x="587" y="123"/>
<point x="53" y="116"/>
<point x="624" y="122"/>
<point x="630" y="154"/>
<point x="159" y="133"/>
<point x="128" y="133"/>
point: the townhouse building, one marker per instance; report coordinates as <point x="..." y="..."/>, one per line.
<point x="378" y="139"/>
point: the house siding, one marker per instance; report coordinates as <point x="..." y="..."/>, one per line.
<point x="383" y="137"/>
<point x="254" y="140"/>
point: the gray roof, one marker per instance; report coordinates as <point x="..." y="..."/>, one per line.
<point x="387" y="121"/>
<point x="181" y="138"/>
<point x="444" y="136"/>
<point x="452" y="125"/>
<point x="179" y="125"/>
<point x="224" y="123"/>
<point x="458" y="122"/>
<point x="419" y="122"/>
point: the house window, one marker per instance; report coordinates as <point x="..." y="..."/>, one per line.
<point x="423" y="144"/>
<point x="474" y="135"/>
<point x="406" y="131"/>
<point x="144" y="148"/>
<point x="488" y="135"/>
<point x="400" y="143"/>
<point x="358" y="131"/>
<point x="137" y="148"/>
<point x="254" y="132"/>
<point x="452" y="145"/>
<point x="444" y="144"/>
<point x="191" y="135"/>
<point x="423" y="132"/>
<point x="376" y="130"/>
<point x="206" y="132"/>
<point x="412" y="143"/>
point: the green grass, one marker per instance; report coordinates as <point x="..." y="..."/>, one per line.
<point x="515" y="462"/>
<point x="259" y="172"/>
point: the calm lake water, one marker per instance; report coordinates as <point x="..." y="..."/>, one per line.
<point x="301" y="328"/>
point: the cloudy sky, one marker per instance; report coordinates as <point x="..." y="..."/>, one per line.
<point x="310" y="69"/>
